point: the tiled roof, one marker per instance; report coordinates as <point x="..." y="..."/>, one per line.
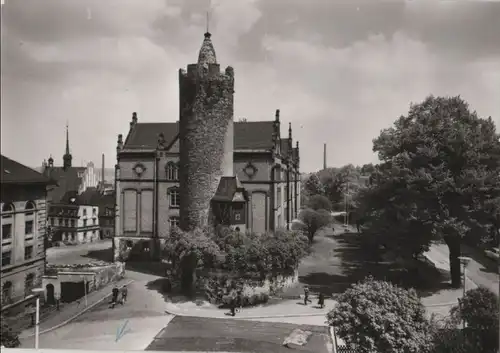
<point x="145" y="135"/>
<point x="247" y="135"/>
<point x="67" y="180"/>
<point x="228" y="186"/>
<point x="253" y="135"/>
<point x="17" y="173"/>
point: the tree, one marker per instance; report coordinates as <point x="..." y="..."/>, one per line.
<point x="9" y="337"/>
<point x="188" y="251"/>
<point x="440" y="168"/>
<point x="319" y="202"/>
<point x="314" y="221"/>
<point x="313" y="186"/>
<point x="376" y="316"/>
<point x="479" y="309"/>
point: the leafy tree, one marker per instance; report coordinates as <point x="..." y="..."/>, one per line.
<point x="314" y="221"/>
<point x="319" y="202"/>
<point x="313" y="186"/>
<point x="367" y="169"/>
<point x="479" y="309"/>
<point x="9" y="337"/>
<point x="188" y="251"/>
<point x="376" y="316"/>
<point x="440" y="168"/>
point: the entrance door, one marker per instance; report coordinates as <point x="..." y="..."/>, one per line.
<point x="51" y="300"/>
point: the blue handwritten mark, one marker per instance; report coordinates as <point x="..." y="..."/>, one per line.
<point x="121" y="331"/>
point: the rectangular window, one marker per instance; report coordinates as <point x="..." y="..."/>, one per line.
<point x="84" y="222"/>
<point x="28" y="252"/>
<point x="60" y="222"/>
<point x="147" y="211"/>
<point x="73" y="223"/>
<point x="129" y="211"/>
<point x="7" y="258"/>
<point x="174" y="221"/>
<point x="174" y="198"/>
<point x="66" y="223"/>
<point x="6" y="231"/>
<point x="52" y="221"/>
<point x="94" y="221"/>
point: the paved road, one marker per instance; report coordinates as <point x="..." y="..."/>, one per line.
<point x="78" y="254"/>
<point x="228" y="335"/>
<point x="485" y="276"/>
<point x="143" y="316"/>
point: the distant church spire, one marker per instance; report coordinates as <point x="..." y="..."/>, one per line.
<point x="67" y="155"/>
<point x="207" y="51"/>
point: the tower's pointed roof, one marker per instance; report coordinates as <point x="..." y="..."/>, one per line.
<point x="207" y="51"/>
<point x="67" y="139"/>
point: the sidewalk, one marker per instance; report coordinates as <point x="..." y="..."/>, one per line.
<point x="73" y="310"/>
<point x="286" y="308"/>
<point x="442" y="301"/>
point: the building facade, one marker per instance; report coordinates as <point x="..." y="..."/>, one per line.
<point x="167" y="174"/>
<point x="73" y="221"/>
<point x="23" y="215"/>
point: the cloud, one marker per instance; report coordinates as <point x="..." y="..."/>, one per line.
<point x="339" y="72"/>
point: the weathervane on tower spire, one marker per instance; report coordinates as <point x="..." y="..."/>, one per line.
<point x="208" y="16"/>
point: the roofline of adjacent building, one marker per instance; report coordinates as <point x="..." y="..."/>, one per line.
<point x="37" y="182"/>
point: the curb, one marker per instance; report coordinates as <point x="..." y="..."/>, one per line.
<point x="74" y="316"/>
<point x="248" y="317"/>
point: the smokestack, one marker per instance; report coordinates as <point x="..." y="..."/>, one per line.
<point x="102" y="171"/>
<point x="324" y="156"/>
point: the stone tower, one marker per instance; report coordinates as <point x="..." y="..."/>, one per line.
<point x="206" y="134"/>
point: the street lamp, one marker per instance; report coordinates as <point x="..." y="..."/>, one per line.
<point x="37" y="292"/>
<point x="464" y="261"/>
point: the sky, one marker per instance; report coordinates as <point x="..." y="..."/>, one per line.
<point x="338" y="71"/>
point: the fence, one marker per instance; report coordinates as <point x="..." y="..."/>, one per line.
<point x="345" y="349"/>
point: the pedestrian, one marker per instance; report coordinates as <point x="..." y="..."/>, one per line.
<point x="239" y="300"/>
<point x="114" y="296"/>
<point x="321" y="300"/>
<point x="124" y="294"/>
<point x="306" y="296"/>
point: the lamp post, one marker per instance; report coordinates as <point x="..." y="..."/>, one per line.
<point x="37" y="292"/>
<point x="464" y="261"/>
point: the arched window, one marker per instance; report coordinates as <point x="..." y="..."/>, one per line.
<point x="29" y="208"/>
<point x="174" y="197"/>
<point x="172" y="171"/>
<point x="7" y="221"/>
<point x="29" y="219"/>
<point x="7" y="293"/>
<point x="7" y="210"/>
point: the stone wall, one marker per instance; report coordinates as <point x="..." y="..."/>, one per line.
<point x="218" y="286"/>
<point x="103" y="273"/>
<point x="205" y="126"/>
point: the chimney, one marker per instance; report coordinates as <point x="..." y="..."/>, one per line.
<point x="324" y="156"/>
<point x="102" y="171"/>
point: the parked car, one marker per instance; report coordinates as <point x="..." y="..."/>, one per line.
<point x="493" y="253"/>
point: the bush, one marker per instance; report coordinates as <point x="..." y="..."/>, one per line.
<point x="479" y="309"/>
<point x="9" y="337"/>
<point x="218" y="290"/>
<point x="238" y="253"/>
<point x="261" y="254"/>
<point x="377" y="316"/>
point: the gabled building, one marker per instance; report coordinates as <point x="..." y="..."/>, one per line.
<point x="68" y="177"/>
<point x="23" y="218"/>
<point x="167" y="174"/>
<point x="74" y="220"/>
